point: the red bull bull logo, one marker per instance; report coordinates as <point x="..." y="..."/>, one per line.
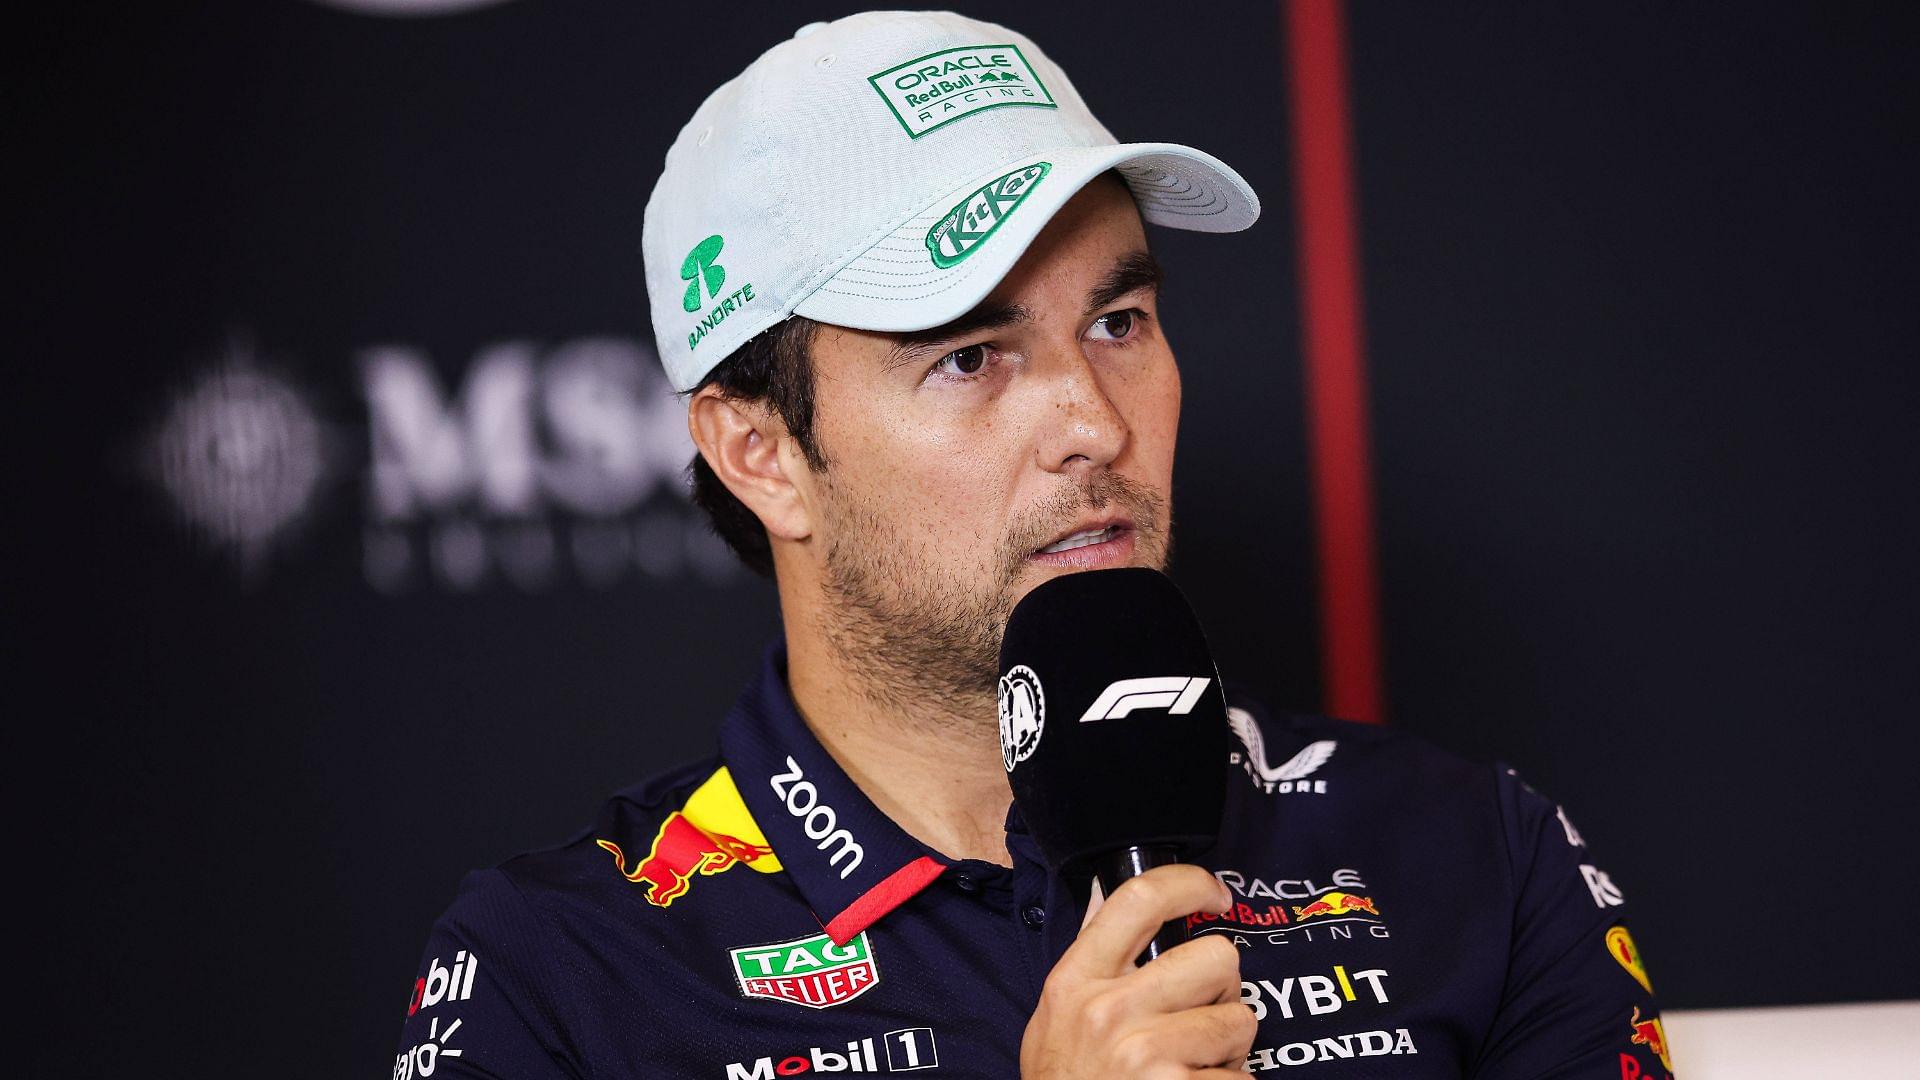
<point x="711" y="833"/>
<point x="679" y="852"/>
<point x="1336" y="903"/>
<point x="1650" y="1034"/>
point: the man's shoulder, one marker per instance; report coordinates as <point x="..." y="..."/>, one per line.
<point x="649" y="842"/>
<point x="629" y="812"/>
<point x="1276" y="747"/>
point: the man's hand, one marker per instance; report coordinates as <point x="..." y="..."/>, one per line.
<point x="1179" y="1016"/>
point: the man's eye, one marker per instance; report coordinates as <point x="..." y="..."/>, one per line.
<point x="1114" y="326"/>
<point x="967" y="361"/>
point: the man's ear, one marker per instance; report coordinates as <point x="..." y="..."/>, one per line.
<point x="742" y="442"/>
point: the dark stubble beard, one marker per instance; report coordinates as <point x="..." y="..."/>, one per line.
<point x="913" y="635"/>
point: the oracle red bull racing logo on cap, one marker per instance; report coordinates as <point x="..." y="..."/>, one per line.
<point x="810" y="971"/>
<point x="934" y="90"/>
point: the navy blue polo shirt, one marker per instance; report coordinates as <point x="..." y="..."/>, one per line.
<point x="1399" y="912"/>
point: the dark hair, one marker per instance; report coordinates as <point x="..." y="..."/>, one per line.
<point x="776" y="368"/>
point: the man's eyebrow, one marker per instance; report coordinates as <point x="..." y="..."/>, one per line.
<point x="985" y="317"/>
<point x="1135" y="271"/>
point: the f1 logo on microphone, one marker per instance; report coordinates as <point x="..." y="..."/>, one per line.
<point x="1174" y="693"/>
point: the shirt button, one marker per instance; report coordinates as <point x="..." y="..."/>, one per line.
<point x="1034" y="916"/>
<point x="966" y="883"/>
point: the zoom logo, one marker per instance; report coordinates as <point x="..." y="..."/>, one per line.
<point x="1175" y="693"/>
<point x="817" y="819"/>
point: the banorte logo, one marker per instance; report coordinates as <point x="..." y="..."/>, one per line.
<point x="702" y="267"/>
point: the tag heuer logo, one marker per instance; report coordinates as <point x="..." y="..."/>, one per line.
<point x="973" y="219"/>
<point x="811" y="971"/>
<point x="936" y="89"/>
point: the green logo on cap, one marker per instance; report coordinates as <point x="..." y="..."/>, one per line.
<point x="965" y="227"/>
<point x="699" y="264"/>
<point x="934" y="90"/>
<point x="698" y="268"/>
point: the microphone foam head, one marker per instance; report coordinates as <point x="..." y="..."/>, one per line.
<point x="1113" y="726"/>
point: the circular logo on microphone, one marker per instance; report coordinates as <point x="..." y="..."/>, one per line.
<point x="1023" y="714"/>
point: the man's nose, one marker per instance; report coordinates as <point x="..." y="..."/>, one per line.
<point x="1079" y="428"/>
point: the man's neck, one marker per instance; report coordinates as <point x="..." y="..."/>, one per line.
<point x="932" y="766"/>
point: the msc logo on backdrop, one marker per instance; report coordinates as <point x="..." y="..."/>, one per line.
<point x="530" y="464"/>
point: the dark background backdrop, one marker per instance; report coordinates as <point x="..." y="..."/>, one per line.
<point x="1640" y="312"/>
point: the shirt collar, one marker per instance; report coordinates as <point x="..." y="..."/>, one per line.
<point x="851" y="863"/>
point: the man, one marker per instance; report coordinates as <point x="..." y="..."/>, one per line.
<point x="904" y="275"/>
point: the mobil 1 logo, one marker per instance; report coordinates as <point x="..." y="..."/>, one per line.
<point x="905" y="1050"/>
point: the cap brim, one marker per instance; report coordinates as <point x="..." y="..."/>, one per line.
<point x="896" y="286"/>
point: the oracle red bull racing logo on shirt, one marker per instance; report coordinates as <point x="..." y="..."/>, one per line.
<point x="810" y="971"/>
<point x="1335" y="910"/>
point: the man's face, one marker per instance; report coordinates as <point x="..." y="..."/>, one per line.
<point x="970" y="463"/>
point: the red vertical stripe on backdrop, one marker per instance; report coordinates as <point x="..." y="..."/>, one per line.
<point x="1335" y="354"/>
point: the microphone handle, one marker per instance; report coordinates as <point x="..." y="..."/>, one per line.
<point x="1117" y="867"/>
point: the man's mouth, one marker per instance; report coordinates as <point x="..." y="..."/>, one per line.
<point x="1082" y="539"/>
<point x="1090" y="546"/>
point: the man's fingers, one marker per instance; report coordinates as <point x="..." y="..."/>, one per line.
<point x="1094" y="899"/>
<point x="1215" y="1035"/>
<point x="1204" y="971"/>
<point x="1120" y="929"/>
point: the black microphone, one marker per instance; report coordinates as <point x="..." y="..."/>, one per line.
<point x="1113" y="727"/>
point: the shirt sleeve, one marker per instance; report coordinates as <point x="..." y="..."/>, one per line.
<point x="482" y="1003"/>
<point x="1577" y="1004"/>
